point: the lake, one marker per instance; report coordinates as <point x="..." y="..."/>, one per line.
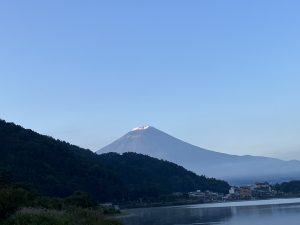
<point x="262" y="212"/>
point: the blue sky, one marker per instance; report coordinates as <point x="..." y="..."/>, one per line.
<point x="224" y="75"/>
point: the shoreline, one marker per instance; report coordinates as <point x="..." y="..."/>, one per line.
<point x="162" y="205"/>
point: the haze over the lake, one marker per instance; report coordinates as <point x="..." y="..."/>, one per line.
<point x="223" y="75"/>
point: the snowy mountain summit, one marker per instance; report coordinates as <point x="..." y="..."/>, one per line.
<point x="235" y="169"/>
<point x="140" y="128"/>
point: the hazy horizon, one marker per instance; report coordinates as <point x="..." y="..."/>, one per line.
<point x="219" y="75"/>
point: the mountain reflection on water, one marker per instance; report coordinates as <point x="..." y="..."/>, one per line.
<point x="271" y="214"/>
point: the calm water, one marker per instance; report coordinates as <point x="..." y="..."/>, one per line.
<point x="266" y="212"/>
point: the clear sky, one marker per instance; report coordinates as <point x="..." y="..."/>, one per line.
<point x="224" y="75"/>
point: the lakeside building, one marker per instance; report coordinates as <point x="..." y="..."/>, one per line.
<point x="206" y="196"/>
<point x="245" y="192"/>
<point x="263" y="190"/>
<point x="259" y="190"/>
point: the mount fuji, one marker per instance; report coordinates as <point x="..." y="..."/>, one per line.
<point x="233" y="168"/>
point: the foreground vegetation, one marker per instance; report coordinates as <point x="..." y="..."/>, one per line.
<point x="20" y="206"/>
<point x="29" y="216"/>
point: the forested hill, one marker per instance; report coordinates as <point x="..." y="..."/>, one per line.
<point x="54" y="167"/>
<point x="57" y="168"/>
<point x="154" y="176"/>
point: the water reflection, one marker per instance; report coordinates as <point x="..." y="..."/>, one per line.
<point x="230" y="215"/>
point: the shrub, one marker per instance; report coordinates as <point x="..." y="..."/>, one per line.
<point x="35" y="219"/>
<point x="74" y="216"/>
<point x="13" y="198"/>
<point x="80" y="199"/>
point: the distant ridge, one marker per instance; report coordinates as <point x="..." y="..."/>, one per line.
<point x="236" y="169"/>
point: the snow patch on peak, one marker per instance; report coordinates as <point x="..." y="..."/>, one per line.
<point x="140" y="128"/>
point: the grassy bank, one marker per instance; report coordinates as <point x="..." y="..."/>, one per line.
<point x="35" y="216"/>
<point x="19" y="206"/>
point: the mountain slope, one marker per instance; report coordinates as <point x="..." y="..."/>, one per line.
<point x="57" y="168"/>
<point x="54" y="167"/>
<point x="236" y="169"/>
<point x="146" y="174"/>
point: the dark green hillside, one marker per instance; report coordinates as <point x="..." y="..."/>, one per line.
<point x="149" y="176"/>
<point x="56" y="168"/>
